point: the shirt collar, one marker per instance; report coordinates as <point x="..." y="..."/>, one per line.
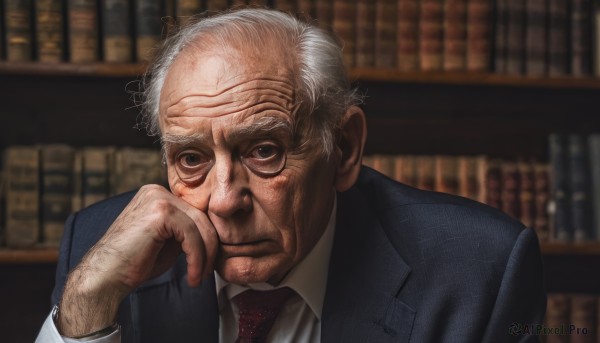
<point x="308" y="278"/>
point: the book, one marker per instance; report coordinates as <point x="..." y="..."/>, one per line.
<point x="500" y="35"/>
<point x="50" y="40"/>
<point x="324" y="13"/>
<point x="407" y="46"/>
<point x="137" y="167"/>
<point x="594" y="158"/>
<point x="117" y="40"/>
<point x="344" y="18"/>
<point x="446" y="174"/>
<point x="479" y="16"/>
<point x="77" y="195"/>
<point x="557" y="316"/>
<point x="542" y="198"/>
<point x="583" y="316"/>
<point x="306" y="10"/>
<point x="430" y="35"/>
<point x="557" y="37"/>
<point x="235" y="4"/>
<point x="404" y="170"/>
<point x="560" y="224"/>
<point x="18" y="30"/>
<point x="83" y="31"/>
<point x="384" y="164"/>
<point x="57" y="189"/>
<point x="216" y="5"/>
<point x="185" y="10"/>
<point x="385" y="33"/>
<point x="22" y="196"/>
<point x="581" y="37"/>
<point x="425" y="172"/>
<point x="288" y="6"/>
<point x="493" y="183"/>
<point x="526" y="193"/>
<point x="365" y="31"/>
<point x="97" y="162"/>
<point x="535" y="38"/>
<point x="579" y="187"/>
<point x="509" y="189"/>
<point x="468" y="183"/>
<point x="455" y="35"/>
<point x="515" y="37"/>
<point x="148" y="27"/>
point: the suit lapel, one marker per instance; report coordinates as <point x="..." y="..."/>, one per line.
<point x="365" y="276"/>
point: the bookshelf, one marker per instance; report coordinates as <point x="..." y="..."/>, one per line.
<point x="415" y="113"/>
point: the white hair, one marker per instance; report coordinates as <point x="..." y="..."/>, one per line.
<point x="322" y="93"/>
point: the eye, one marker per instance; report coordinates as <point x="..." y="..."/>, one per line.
<point x="265" y="159"/>
<point x="192" y="166"/>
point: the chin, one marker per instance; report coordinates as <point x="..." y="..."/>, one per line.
<point x="245" y="270"/>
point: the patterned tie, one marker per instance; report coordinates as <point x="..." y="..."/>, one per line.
<point x="258" y="310"/>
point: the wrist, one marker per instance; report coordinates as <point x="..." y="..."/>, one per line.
<point x="104" y="332"/>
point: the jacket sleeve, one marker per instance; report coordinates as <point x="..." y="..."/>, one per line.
<point x="521" y="302"/>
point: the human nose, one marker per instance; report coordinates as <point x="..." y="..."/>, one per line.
<point x="229" y="193"/>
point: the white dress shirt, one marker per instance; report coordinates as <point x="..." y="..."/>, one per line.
<point x="298" y="321"/>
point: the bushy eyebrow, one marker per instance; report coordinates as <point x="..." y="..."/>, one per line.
<point x="264" y="126"/>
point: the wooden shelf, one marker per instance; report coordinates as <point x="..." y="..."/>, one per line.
<point x="24" y="256"/>
<point x="356" y="74"/>
<point x="28" y="256"/>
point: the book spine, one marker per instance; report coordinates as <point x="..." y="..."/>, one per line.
<point x="148" y="27"/>
<point x="306" y="10"/>
<point x="446" y="174"/>
<point x="594" y="151"/>
<point x="22" y="198"/>
<point x="560" y="225"/>
<point x="288" y="6"/>
<point x="557" y="315"/>
<point x="500" y="35"/>
<point x="49" y="30"/>
<point x="509" y="190"/>
<point x="186" y="9"/>
<point x="481" y="163"/>
<point x="535" y="38"/>
<point x="581" y="39"/>
<point x="385" y="33"/>
<point x="117" y="39"/>
<point x="430" y="35"/>
<point x="57" y="190"/>
<point x="455" y="35"/>
<point x="425" y="166"/>
<point x="365" y="31"/>
<point x="96" y="174"/>
<point x="404" y="170"/>
<point x="216" y="5"/>
<point x="344" y="17"/>
<point x="526" y="193"/>
<point x="542" y="198"/>
<point x="557" y="37"/>
<point x="324" y="12"/>
<point x="384" y="164"/>
<point x="579" y="186"/>
<point x="18" y="25"/>
<point x="137" y="167"/>
<point x="83" y="31"/>
<point x="493" y="184"/>
<point x="583" y="315"/>
<point x="77" y="195"/>
<point x="468" y="185"/>
<point x="407" y="43"/>
<point x="515" y="40"/>
<point x="479" y="15"/>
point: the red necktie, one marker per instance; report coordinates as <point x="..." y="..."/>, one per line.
<point x="258" y="310"/>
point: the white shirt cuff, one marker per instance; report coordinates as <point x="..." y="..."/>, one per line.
<point x="49" y="334"/>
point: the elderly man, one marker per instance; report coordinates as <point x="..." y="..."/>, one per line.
<point x="271" y="230"/>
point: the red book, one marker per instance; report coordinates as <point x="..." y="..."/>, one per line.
<point x="344" y="18"/>
<point x="479" y="15"/>
<point x="430" y="35"/>
<point x="385" y="33"/>
<point x="542" y="197"/>
<point x="407" y="47"/>
<point x="455" y="35"/>
<point x="365" y="31"/>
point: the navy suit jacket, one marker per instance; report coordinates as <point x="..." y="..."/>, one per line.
<point x="407" y="266"/>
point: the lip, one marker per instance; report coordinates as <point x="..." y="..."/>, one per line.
<point x="249" y="249"/>
<point x="241" y="244"/>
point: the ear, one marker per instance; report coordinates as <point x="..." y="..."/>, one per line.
<point x="349" y="148"/>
